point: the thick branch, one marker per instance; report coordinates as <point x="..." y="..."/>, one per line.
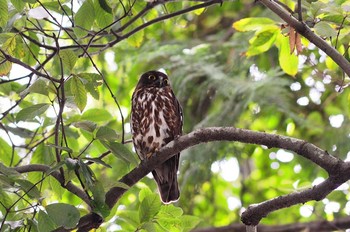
<point x="330" y="163"/>
<point x="338" y="170"/>
<point x="304" y="30"/>
<point x="315" y="226"/>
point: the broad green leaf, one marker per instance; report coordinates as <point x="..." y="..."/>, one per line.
<point x="69" y="58"/>
<point x="45" y="223"/>
<point x="149" y="207"/>
<point x="106" y="134"/>
<point x="189" y="222"/>
<point x="97" y="115"/>
<point x="91" y="77"/>
<point x="5" y="200"/>
<point x="39" y="86"/>
<point x="149" y="227"/>
<point x="6" y="155"/>
<point x="98" y="192"/>
<point x="4" y="13"/>
<point x="120" y="151"/>
<point x="84" y="19"/>
<point x="29" y="113"/>
<point x="18" y="4"/>
<point x="98" y="161"/>
<point x="262" y="42"/>
<point x="288" y="62"/>
<point x="86" y="125"/>
<point x="29" y="188"/>
<point x="10" y="172"/>
<point x="43" y="155"/>
<point x="22" y="132"/>
<point x="323" y="29"/>
<point x="63" y="214"/>
<point x="144" y="193"/>
<point x="170" y="211"/>
<point x="78" y="90"/>
<point x="252" y="24"/>
<point x="103" y="12"/>
<point x="170" y="224"/>
<point x="5" y="67"/>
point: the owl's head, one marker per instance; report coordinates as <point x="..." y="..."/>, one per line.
<point x="153" y="79"/>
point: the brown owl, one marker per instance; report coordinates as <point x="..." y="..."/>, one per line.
<point x="156" y="119"/>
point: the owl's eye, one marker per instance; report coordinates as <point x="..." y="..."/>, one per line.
<point x="166" y="82"/>
<point x="152" y="77"/>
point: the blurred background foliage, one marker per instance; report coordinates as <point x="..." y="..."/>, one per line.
<point x="229" y="64"/>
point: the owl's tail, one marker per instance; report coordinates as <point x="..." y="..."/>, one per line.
<point x="166" y="178"/>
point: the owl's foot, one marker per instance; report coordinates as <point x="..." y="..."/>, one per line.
<point x="150" y="154"/>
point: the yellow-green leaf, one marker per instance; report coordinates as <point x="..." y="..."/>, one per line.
<point x="84" y="19"/>
<point x="78" y="90"/>
<point x="4" y="13"/>
<point x="29" y="113"/>
<point x="288" y="62"/>
<point x="69" y="58"/>
<point x="261" y="42"/>
<point x="252" y="24"/>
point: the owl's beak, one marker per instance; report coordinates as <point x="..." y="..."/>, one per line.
<point x="160" y="82"/>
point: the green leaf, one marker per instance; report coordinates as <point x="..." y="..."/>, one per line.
<point x="84" y="19"/>
<point x="63" y="214"/>
<point x="98" y="193"/>
<point x="107" y="134"/>
<point x="86" y="125"/>
<point x="170" y="224"/>
<point x="6" y="154"/>
<point x="149" y="207"/>
<point x="40" y="87"/>
<point x="144" y="193"/>
<point x="29" y="188"/>
<point x="170" y="211"/>
<point x="5" y="200"/>
<point x="97" y="115"/>
<point x="4" y="13"/>
<point x="103" y="12"/>
<point x="120" y="151"/>
<point x="10" y="172"/>
<point x="98" y="161"/>
<point x="5" y="67"/>
<point x="29" y="113"/>
<point x="261" y="42"/>
<point x="189" y="222"/>
<point x="288" y="62"/>
<point x="252" y="24"/>
<point x="69" y="58"/>
<point x="78" y="90"/>
<point x="45" y="223"/>
<point x="149" y="227"/>
<point x="18" y="4"/>
<point x="323" y="29"/>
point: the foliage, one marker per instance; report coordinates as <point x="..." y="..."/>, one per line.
<point x="67" y="72"/>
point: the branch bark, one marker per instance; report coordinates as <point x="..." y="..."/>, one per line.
<point x="314" y="226"/>
<point x="338" y="170"/>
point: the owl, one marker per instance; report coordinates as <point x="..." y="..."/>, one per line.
<point x="156" y="119"/>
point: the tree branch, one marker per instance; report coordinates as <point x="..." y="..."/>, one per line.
<point x="314" y="226"/>
<point x="304" y="30"/>
<point x="338" y="170"/>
